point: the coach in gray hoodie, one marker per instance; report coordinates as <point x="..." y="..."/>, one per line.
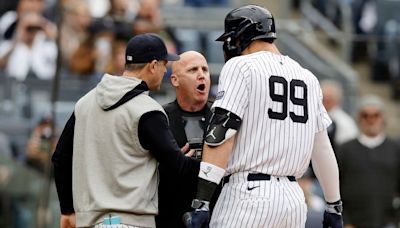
<point x="106" y="159"/>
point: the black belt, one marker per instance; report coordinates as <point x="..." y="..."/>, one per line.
<point x="257" y="177"/>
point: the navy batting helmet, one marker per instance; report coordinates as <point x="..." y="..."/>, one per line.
<point x="244" y="25"/>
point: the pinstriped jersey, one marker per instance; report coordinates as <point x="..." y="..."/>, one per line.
<point x="280" y="104"/>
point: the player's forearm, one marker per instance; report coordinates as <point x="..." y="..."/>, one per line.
<point x="325" y="167"/>
<point x="218" y="155"/>
<point x="212" y="168"/>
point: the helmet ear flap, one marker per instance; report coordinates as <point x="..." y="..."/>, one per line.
<point x="230" y="50"/>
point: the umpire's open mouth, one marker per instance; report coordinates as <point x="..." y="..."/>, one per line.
<point x="201" y="87"/>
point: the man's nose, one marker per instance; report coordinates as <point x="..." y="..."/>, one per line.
<point x="201" y="74"/>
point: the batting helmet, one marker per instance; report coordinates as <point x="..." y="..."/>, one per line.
<point x="244" y="25"/>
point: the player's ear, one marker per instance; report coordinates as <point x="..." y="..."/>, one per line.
<point x="152" y="66"/>
<point x="174" y="80"/>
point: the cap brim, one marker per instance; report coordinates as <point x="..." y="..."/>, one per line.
<point x="172" y="57"/>
<point x="222" y="37"/>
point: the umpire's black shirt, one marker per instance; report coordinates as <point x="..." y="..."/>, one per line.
<point x="175" y="196"/>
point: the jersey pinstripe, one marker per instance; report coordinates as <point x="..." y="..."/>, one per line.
<point x="269" y="204"/>
<point x="280" y="104"/>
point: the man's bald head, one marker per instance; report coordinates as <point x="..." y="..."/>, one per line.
<point x="186" y="57"/>
<point x="191" y="79"/>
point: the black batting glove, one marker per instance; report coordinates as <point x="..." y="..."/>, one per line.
<point x="333" y="215"/>
<point x="199" y="217"/>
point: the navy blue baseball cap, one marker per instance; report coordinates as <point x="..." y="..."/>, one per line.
<point x="146" y="47"/>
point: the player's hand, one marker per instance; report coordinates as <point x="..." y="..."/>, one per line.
<point x="199" y="217"/>
<point x="333" y="215"/>
<point x="67" y="221"/>
<point x="332" y="220"/>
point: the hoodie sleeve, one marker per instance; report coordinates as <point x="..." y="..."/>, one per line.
<point x="155" y="136"/>
<point x="62" y="162"/>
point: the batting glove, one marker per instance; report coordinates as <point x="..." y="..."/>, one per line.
<point x="199" y="217"/>
<point x="333" y="215"/>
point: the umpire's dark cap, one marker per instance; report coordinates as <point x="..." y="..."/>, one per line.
<point x="146" y="47"/>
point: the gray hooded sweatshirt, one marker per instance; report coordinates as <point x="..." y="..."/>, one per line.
<point x="113" y="175"/>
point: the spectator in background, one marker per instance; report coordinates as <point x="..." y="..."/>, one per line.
<point x="343" y="127"/>
<point x="40" y="144"/>
<point x="101" y="39"/>
<point x="5" y="158"/>
<point x="369" y="169"/>
<point x="32" y="50"/>
<point x="5" y="145"/>
<point x="10" y="19"/>
<point x="76" y="43"/>
<point x="116" y="65"/>
<point x="149" y="19"/>
<point x="123" y="10"/>
<point x="6" y="163"/>
<point x="122" y="13"/>
<point x="188" y="116"/>
<point x="7" y="5"/>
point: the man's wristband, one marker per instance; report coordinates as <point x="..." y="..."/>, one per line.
<point x="209" y="177"/>
<point x="335" y="207"/>
<point x="211" y="172"/>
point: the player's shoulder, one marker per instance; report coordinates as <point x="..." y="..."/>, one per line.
<point x="306" y="73"/>
<point x="311" y="75"/>
<point x="237" y="62"/>
<point x="238" y="65"/>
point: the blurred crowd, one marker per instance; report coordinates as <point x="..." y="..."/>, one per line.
<point x="92" y="37"/>
<point x="372" y="30"/>
<point x="369" y="163"/>
<point x="88" y="44"/>
<point x="77" y="40"/>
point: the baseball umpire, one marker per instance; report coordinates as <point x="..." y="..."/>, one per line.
<point x="268" y="123"/>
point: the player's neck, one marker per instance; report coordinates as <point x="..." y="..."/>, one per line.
<point x="258" y="45"/>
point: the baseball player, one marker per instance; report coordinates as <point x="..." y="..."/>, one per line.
<point x="268" y="123"/>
